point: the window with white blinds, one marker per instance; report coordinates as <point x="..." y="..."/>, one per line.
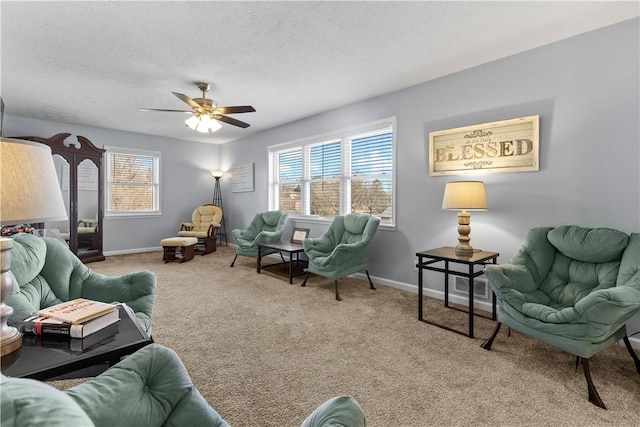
<point x="133" y="182"/>
<point x="347" y="171"/>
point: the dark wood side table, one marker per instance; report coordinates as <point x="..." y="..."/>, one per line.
<point x="43" y="358"/>
<point x="295" y="264"/>
<point x="447" y="255"/>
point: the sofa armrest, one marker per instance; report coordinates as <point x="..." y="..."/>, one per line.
<point x="148" y="388"/>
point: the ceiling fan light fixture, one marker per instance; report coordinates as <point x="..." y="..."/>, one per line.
<point x="203" y="123"/>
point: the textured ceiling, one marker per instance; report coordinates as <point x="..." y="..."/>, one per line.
<point x="97" y="63"/>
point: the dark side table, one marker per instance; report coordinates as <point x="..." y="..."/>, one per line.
<point x="447" y="255"/>
<point x="294" y="267"/>
<point x="44" y="358"/>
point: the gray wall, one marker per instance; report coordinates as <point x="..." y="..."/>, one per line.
<point x="586" y="91"/>
<point x="185" y="179"/>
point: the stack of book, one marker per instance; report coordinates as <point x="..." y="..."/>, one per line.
<point x="76" y="319"/>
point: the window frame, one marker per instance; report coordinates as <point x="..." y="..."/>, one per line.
<point x="156" y="185"/>
<point x="304" y="145"/>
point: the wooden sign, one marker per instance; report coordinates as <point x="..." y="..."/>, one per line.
<point x="504" y="146"/>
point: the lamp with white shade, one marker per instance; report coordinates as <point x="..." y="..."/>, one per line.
<point x="464" y="196"/>
<point x="30" y="193"/>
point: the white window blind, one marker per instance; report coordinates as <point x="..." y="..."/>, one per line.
<point x="348" y="171"/>
<point x="133" y="185"/>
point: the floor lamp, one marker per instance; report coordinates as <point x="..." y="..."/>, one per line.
<point x="30" y="193"/>
<point x="217" y="200"/>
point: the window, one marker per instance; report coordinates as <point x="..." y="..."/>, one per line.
<point x="133" y="183"/>
<point x="347" y="171"/>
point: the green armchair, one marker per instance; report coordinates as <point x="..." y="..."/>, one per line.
<point x="266" y="227"/>
<point x="149" y="388"/>
<point x="46" y="273"/>
<point x="342" y="249"/>
<point x="573" y="288"/>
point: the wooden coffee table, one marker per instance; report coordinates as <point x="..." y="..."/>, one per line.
<point x="43" y="357"/>
<point x="295" y="265"/>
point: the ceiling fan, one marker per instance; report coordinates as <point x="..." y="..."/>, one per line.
<point x="204" y="110"/>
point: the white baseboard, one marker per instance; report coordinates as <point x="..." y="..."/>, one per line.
<point x="133" y="251"/>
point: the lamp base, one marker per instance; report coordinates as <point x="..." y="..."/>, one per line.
<point x="10" y="338"/>
<point x="464" y="249"/>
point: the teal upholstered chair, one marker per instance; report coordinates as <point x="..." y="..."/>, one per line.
<point x="149" y="388"/>
<point x="573" y="288"/>
<point x="342" y="249"/>
<point x="266" y="227"/>
<point x="46" y="273"/>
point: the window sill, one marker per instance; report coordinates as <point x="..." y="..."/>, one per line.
<point x="301" y="219"/>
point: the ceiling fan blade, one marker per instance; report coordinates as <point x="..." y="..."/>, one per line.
<point x="236" y="109"/>
<point x="170" y="111"/>
<point x="231" y="121"/>
<point x="191" y="102"/>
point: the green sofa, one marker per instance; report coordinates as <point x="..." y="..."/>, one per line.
<point x="46" y="273"/>
<point x="150" y="388"/>
<point x="573" y="288"/>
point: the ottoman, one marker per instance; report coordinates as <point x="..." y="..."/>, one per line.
<point x="179" y="249"/>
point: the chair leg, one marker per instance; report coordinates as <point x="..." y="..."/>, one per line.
<point x="282" y="256"/>
<point x="370" y="282"/>
<point x="337" y="294"/>
<point x="234" y="260"/>
<point x="633" y="354"/>
<point x="305" y="279"/>
<point x="487" y="344"/>
<point x="594" y="397"/>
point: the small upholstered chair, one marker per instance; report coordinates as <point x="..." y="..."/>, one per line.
<point x="573" y="288"/>
<point x="46" y="273"/>
<point x="204" y="225"/>
<point x="266" y="227"/>
<point x="342" y="250"/>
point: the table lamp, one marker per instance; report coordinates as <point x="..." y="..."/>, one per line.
<point x="464" y="196"/>
<point x="29" y="193"/>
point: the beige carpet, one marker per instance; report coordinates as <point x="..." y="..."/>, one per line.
<point x="265" y="353"/>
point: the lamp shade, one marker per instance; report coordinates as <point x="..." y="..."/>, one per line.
<point x="217" y="173"/>
<point x="30" y="191"/>
<point x="465" y="195"/>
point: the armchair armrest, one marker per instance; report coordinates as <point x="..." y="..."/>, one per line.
<point x="150" y="387"/>
<point x="510" y="276"/>
<point x="318" y="244"/>
<point x="137" y="290"/>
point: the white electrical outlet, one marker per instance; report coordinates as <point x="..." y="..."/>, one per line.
<point x="415" y="264"/>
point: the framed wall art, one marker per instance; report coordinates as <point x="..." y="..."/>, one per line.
<point x="497" y="147"/>
<point x="242" y="178"/>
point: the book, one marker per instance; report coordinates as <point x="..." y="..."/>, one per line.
<point x="74" y="345"/>
<point x="41" y="325"/>
<point x="77" y="311"/>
